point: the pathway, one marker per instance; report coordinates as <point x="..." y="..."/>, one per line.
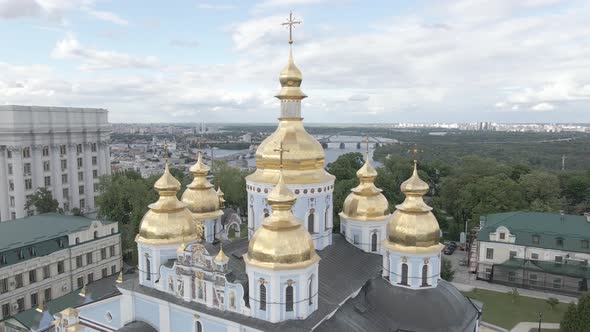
<point x="527" y="326"/>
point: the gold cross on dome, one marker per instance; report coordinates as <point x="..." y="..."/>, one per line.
<point x="414" y="151"/>
<point x="367" y="143"/>
<point x="165" y="152"/>
<point x="280" y="150"/>
<point x="291" y="22"/>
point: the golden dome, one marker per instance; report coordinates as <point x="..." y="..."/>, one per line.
<point x="291" y="79"/>
<point x="221" y="258"/>
<point x="200" y="196"/>
<point x="168" y="221"/>
<point x="366" y="202"/>
<point x="281" y="243"/>
<point x="412" y="227"/>
<point x="221" y="196"/>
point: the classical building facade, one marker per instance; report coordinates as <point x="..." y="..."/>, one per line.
<point x="59" y="148"/>
<point x="49" y="255"/>
<point x="541" y="250"/>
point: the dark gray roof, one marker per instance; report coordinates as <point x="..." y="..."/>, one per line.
<point x="380" y="306"/>
<point x="343" y="270"/>
<point x="138" y="326"/>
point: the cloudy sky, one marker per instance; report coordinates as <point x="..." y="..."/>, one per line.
<point x="362" y="61"/>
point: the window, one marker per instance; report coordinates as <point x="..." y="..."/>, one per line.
<point x="94" y="174"/>
<point x="310" y="292"/>
<point x="355" y="239"/>
<point x="78" y="261"/>
<point x="148" y="269"/>
<point x="558" y="259"/>
<point x="80" y="176"/>
<point x="11" y="185"/>
<point x="512" y="254"/>
<point x="64" y="178"/>
<point x="8" y="154"/>
<point x="77" y="240"/>
<point x="311" y="222"/>
<point x="112" y="230"/>
<point x="81" y="190"/>
<point x="93" y="147"/>
<point x="289" y="298"/>
<point x="27" y="168"/>
<point x="374" y="242"/>
<point x="559" y="242"/>
<point x="90" y="278"/>
<point x="28" y="184"/>
<point x="3" y="285"/>
<point x="46" y="167"/>
<point x="511" y="276"/>
<point x="82" y="204"/>
<point x="20" y="303"/>
<point x="95" y="235"/>
<point x="27" y="152"/>
<point x="65" y="192"/>
<point x="404" y="280"/>
<point x="262" y="297"/>
<point x="88" y="258"/>
<point x="557" y="283"/>
<point x="47" y="294"/>
<point x="489" y="253"/>
<point x="113" y="269"/>
<point x="11" y="200"/>
<point x="425" y="276"/>
<point x="5" y="310"/>
<point x="79" y="148"/>
<point x="9" y="169"/>
<point x="62" y="150"/>
<point x="60" y="267"/>
<point x="64" y="164"/>
<point x="80" y="282"/>
<point x="80" y="163"/>
<point x="34" y="300"/>
<point x="32" y="251"/>
<point x="502" y="236"/>
<point x="104" y="272"/>
<point x="112" y="251"/>
<point x="19" y="280"/>
<point x="60" y="243"/>
<point x="46" y="272"/>
<point x="95" y="187"/>
<point x="536" y="239"/>
<point x="103" y="253"/>
<point x="198" y="327"/>
<point x="94" y="160"/>
<point x="32" y="276"/>
<point x="534" y="256"/>
<point x="584" y="244"/>
<point x="66" y="206"/>
<point x="45" y="151"/>
<point x="532" y="279"/>
<point x="47" y="181"/>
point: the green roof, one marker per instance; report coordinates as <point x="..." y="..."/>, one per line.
<point x="571" y="269"/>
<point x="548" y="226"/>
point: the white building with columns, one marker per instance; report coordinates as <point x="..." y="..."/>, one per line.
<point x="62" y="149"/>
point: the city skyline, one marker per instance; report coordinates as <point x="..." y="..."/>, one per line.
<point x="465" y="61"/>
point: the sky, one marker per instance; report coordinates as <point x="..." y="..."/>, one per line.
<point x="362" y="61"/>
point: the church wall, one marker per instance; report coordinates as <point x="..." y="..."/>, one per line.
<point x="157" y="255"/>
<point x="101" y="311"/>
<point x="364" y="231"/>
<point x="180" y="321"/>
<point x="147" y="311"/>
<point x="415" y="264"/>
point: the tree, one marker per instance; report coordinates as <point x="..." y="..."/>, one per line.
<point x="346" y="166"/>
<point x="514" y="295"/>
<point x="42" y="201"/>
<point x="577" y="316"/>
<point x="233" y="184"/>
<point x="552" y="302"/>
<point x="447" y="272"/>
<point x="541" y="190"/>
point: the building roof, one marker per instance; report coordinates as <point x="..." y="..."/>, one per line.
<point x="548" y="226"/>
<point x="571" y="268"/>
<point x="379" y="306"/>
<point x="137" y="326"/>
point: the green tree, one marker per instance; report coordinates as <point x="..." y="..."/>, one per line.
<point x="577" y="316"/>
<point x="541" y="190"/>
<point x="552" y="302"/>
<point x="446" y="271"/>
<point x="345" y="167"/>
<point x="233" y="184"/>
<point x="42" y="201"/>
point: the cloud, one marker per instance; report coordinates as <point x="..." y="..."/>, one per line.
<point x="93" y="59"/>
<point x="184" y="43"/>
<point x="543" y="107"/>
<point x="358" y="98"/>
<point x="107" y="16"/>
<point x="52" y="10"/>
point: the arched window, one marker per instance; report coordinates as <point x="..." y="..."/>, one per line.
<point x="425" y="276"/>
<point x="232" y="299"/>
<point x="404" y="274"/>
<point x="289" y="298"/>
<point x="374" y="242"/>
<point x="198" y="326"/>
<point x="310" y="291"/>
<point x="96" y="234"/>
<point x="326" y="218"/>
<point x="77" y="240"/>
<point x="148" y="269"/>
<point x="262" y="297"/>
<point x="251" y="217"/>
<point x="311" y="221"/>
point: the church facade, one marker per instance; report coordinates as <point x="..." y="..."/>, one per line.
<point x="291" y="273"/>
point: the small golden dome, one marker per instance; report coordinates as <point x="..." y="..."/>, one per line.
<point x="281" y="243"/>
<point x="221" y="258"/>
<point x="291" y="79"/>
<point x="168" y="220"/>
<point x="412" y="227"/>
<point x="366" y="202"/>
<point x="221" y="196"/>
<point x="200" y="196"/>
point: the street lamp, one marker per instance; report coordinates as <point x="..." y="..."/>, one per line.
<point x="540" y="320"/>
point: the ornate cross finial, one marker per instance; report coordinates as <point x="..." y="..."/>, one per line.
<point x="280" y="150"/>
<point x="199" y="144"/>
<point x="291" y="22"/>
<point x="367" y="143"/>
<point x="414" y="151"/>
<point x="165" y="152"/>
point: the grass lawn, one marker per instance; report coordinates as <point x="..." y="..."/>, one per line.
<point x="503" y="310"/>
<point x="543" y="330"/>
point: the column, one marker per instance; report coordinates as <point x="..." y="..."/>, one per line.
<point x="4" y="202"/>
<point x="38" y="174"/>
<point x="88" y="179"/>
<point x="188" y="290"/>
<point x="56" y="183"/>
<point x="73" y="175"/>
<point x="19" y="183"/>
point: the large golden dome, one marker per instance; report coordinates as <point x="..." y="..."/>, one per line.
<point x="200" y="196"/>
<point x="281" y="243"/>
<point x="168" y="221"/>
<point x="366" y="202"/>
<point x="413" y="228"/>
<point x="305" y="161"/>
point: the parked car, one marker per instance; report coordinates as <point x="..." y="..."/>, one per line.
<point x="449" y="250"/>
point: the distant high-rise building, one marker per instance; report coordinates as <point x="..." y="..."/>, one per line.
<point x="60" y="148"/>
